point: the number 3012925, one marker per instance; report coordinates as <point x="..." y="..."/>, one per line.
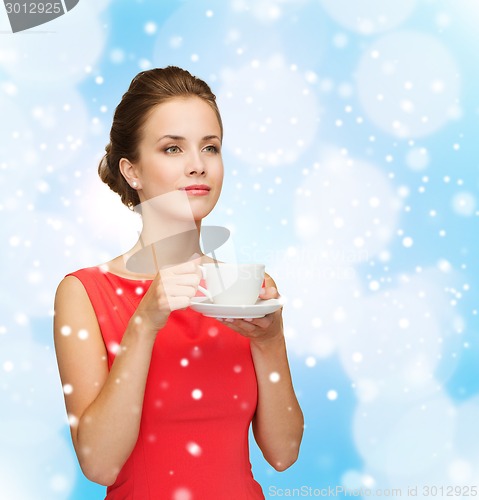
<point x="34" y="8"/>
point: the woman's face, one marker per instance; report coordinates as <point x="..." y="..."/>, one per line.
<point x="180" y="152"/>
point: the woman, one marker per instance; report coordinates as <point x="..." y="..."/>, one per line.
<point x="159" y="397"/>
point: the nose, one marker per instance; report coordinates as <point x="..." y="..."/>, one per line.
<point x="196" y="165"/>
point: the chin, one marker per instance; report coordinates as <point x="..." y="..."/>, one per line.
<point x="198" y="215"/>
<point x="201" y="210"/>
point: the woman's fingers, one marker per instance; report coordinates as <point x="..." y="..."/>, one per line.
<point x="249" y="324"/>
<point x="189" y="267"/>
<point x="269" y="293"/>
<point x="174" y="290"/>
<point x="178" y="284"/>
<point x="181" y="279"/>
<point x="176" y="303"/>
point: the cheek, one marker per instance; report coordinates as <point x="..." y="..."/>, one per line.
<point x="220" y="172"/>
<point x="162" y="180"/>
<point x="219" y="181"/>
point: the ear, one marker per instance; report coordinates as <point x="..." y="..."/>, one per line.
<point x="129" y="172"/>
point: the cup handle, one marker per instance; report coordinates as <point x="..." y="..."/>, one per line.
<point x="202" y="289"/>
<point x="205" y="292"/>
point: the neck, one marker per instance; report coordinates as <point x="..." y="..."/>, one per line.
<point x="170" y="235"/>
<point x="176" y="249"/>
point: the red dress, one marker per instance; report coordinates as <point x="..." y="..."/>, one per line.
<point x="200" y="397"/>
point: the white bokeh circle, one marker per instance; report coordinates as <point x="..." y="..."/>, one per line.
<point x="404" y="440"/>
<point x="347" y="207"/>
<point x="30" y="449"/>
<point x="59" y="122"/>
<point x="266" y="11"/>
<point x="418" y="159"/>
<point x="270" y="114"/>
<point x="42" y="248"/>
<point x="60" y="55"/>
<point x="467" y="418"/>
<point x="404" y="335"/>
<point x="100" y="5"/>
<point x="320" y="290"/>
<point x="109" y="225"/>
<point x="464" y="203"/>
<point x="17" y="151"/>
<point x="394" y="348"/>
<point x="408" y="84"/>
<point x="191" y="34"/>
<point x="31" y="385"/>
<point x="368" y="17"/>
<point x="205" y="39"/>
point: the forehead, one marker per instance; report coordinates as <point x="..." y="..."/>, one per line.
<point x="182" y="116"/>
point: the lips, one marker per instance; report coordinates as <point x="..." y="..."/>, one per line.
<point x="196" y="189"/>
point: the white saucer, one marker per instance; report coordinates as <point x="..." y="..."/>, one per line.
<point x="262" y="307"/>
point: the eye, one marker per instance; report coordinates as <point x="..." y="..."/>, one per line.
<point x="172" y="150"/>
<point x="211" y="149"/>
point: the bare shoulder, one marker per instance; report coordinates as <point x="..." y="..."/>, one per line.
<point x="72" y="298"/>
<point x="73" y="309"/>
<point x="70" y="285"/>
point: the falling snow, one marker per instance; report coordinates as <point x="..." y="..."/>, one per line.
<point x="194" y="449"/>
<point x="65" y="330"/>
<point x="332" y="395"/>
<point x="274" y="377"/>
<point x="310" y="361"/>
<point x="349" y="170"/>
<point x="67" y="389"/>
<point x="182" y="494"/>
<point x="83" y="334"/>
<point x="197" y="394"/>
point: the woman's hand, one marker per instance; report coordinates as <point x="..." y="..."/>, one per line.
<point x="260" y="330"/>
<point x="278" y="421"/>
<point x="172" y="289"/>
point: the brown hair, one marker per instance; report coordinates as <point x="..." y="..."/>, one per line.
<point x="147" y="90"/>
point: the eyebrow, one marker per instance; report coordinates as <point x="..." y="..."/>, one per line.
<point x="180" y="138"/>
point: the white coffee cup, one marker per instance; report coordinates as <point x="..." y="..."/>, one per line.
<point x="232" y="284"/>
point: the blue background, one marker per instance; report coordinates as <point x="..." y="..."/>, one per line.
<point x="351" y="171"/>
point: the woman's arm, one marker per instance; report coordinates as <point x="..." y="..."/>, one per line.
<point x="105" y="407"/>
<point x="278" y="421"/>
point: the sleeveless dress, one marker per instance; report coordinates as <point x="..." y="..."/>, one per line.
<point x="200" y="398"/>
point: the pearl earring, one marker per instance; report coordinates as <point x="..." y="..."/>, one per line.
<point x="134" y="184"/>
